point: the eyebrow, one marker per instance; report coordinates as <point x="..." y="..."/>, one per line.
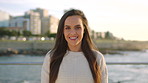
<point x="66" y="26"/>
<point x="74" y="26"/>
<point x="77" y="25"/>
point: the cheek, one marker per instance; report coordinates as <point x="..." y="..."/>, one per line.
<point x="65" y="34"/>
<point x="81" y="33"/>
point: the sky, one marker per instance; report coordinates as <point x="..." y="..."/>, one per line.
<point x="127" y="19"/>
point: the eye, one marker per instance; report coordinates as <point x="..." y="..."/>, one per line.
<point x="67" y="28"/>
<point x="78" y="28"/>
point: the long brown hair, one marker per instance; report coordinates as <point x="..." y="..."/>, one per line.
<point x="61" y="47"/>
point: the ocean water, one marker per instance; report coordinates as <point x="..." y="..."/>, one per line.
<point x="117" y="73"/>
<point x="128" y="73"/>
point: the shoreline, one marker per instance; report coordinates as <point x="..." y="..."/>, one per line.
<point x="42" y="47"/>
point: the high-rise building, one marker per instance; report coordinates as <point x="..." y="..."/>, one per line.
<point x="44" y="17"/>
<point x="45" y="25"/>
<point x="43" y="12"/>
<point x="20" y="22"/>
<point x="53" y="23"/>
<point x="4" y="19"/>
<point x="35" y="21"/>
<point x="48" y="23"/>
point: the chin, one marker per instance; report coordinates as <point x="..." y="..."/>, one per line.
<point x="74" y="44"/>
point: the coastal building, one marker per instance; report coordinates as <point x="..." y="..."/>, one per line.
<point x="19" y="22"/>
<point x="4" y="19"/>
<point x="35" y="22"/>
<point x="53" y="24"/>
<point x="45" y="25"/>
<point x="43" y="12"/>
<point x="100" y="35"/>
<point x="48" y="23"/>
<point x="44" y="17"/>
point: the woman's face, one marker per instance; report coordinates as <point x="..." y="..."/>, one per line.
<point x="73" y="30"/>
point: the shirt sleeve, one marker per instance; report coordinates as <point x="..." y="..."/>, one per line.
<point x="45" y="69"/>
<point x="102" y="63"/>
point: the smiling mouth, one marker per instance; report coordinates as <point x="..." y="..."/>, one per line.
<point x="73" y="38"/>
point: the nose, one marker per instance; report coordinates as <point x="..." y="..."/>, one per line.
<point x="72" y="31"/>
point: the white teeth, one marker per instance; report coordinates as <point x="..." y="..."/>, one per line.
<point x="73" y="37"/>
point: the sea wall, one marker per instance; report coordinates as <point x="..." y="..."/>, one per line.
<point x="29" y="45"/>
<point x="44" y="46"/>
<point x="123" y="45"/>
<point x="25" y="47"/>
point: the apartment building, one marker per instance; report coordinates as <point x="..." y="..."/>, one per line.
<point x="4" y="19"/>
<point x="38" y="21"/>
<point x="53" y="23"/>
<point x="35" y="22"/>
<point x="48" y="23"/>
<point x="44" y="17"/>
<point x="20" y="22"/>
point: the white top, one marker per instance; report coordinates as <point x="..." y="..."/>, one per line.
<point x="74" y="69"/>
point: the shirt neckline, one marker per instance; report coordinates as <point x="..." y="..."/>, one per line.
<point x="73" y="52"/>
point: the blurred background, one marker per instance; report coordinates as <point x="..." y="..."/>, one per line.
<point x="119" y="29"/>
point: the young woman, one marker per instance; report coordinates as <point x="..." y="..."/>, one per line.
<point x="74" y="58"/>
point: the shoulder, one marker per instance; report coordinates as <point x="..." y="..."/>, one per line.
<point x="47" y="59"/>
<point x="99" y="57"/>
<point x="48" y="55"/>
<point x="98" y="54"/>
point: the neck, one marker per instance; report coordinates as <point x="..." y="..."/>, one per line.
<point x="76" y="48"/>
